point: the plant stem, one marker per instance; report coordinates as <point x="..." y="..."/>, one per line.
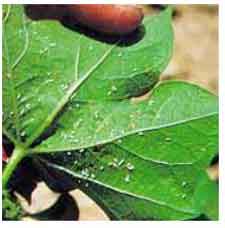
<point x="18" y="154"/>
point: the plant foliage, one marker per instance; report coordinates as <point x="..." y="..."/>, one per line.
<point x="70" y="102"/>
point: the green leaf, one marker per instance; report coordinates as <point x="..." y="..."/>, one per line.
<point x="64" y="92"/>
<point x="11" y="210"/>
<point x="42" y="70"/>
<point x="161" y="122"/>
<point x="152" y="172"/>
<point x="127" y="186"/>
<point x="167" y="158"/>
<point x="207" y="198"/>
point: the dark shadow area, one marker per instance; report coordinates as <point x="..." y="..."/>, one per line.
<point x="58" y="12"/>
<point x="8" y="145"/>
<point x="57" y="180"/>
<point x="24" y="180"/>
<point x="64" y="209"/>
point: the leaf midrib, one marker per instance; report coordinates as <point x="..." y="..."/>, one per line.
<point x="148" y="199"/>
<point x="75" y="85"/>
<point x="37" y="150"/>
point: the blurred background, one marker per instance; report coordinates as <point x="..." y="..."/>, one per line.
<point x="195" y="56"/>
<point x="195" y="59"/>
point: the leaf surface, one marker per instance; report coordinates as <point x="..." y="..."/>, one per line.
<point x="43" y="71"/>
<point x="72" y="94"/>
<point x="207" y="198"/>
<point x="153" y="172"/>
<point x="129" y="187"/>
<point x="162" y="123"/>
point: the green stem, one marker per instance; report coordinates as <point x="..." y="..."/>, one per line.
<point x="18" y="154"/>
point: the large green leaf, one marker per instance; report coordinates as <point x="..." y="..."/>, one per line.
<point x="46" y="63"/>
<point x="166" y="155"/>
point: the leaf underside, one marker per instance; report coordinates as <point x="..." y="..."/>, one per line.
<point x="71" y="99"/>
<point x="71" y="68"/>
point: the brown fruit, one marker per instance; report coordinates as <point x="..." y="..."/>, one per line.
<point x="109" y="19"/>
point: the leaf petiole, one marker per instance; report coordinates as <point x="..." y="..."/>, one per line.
<point x="18" y="154"/>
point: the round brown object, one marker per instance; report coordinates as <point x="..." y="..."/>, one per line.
<point x="109" y="19"/>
